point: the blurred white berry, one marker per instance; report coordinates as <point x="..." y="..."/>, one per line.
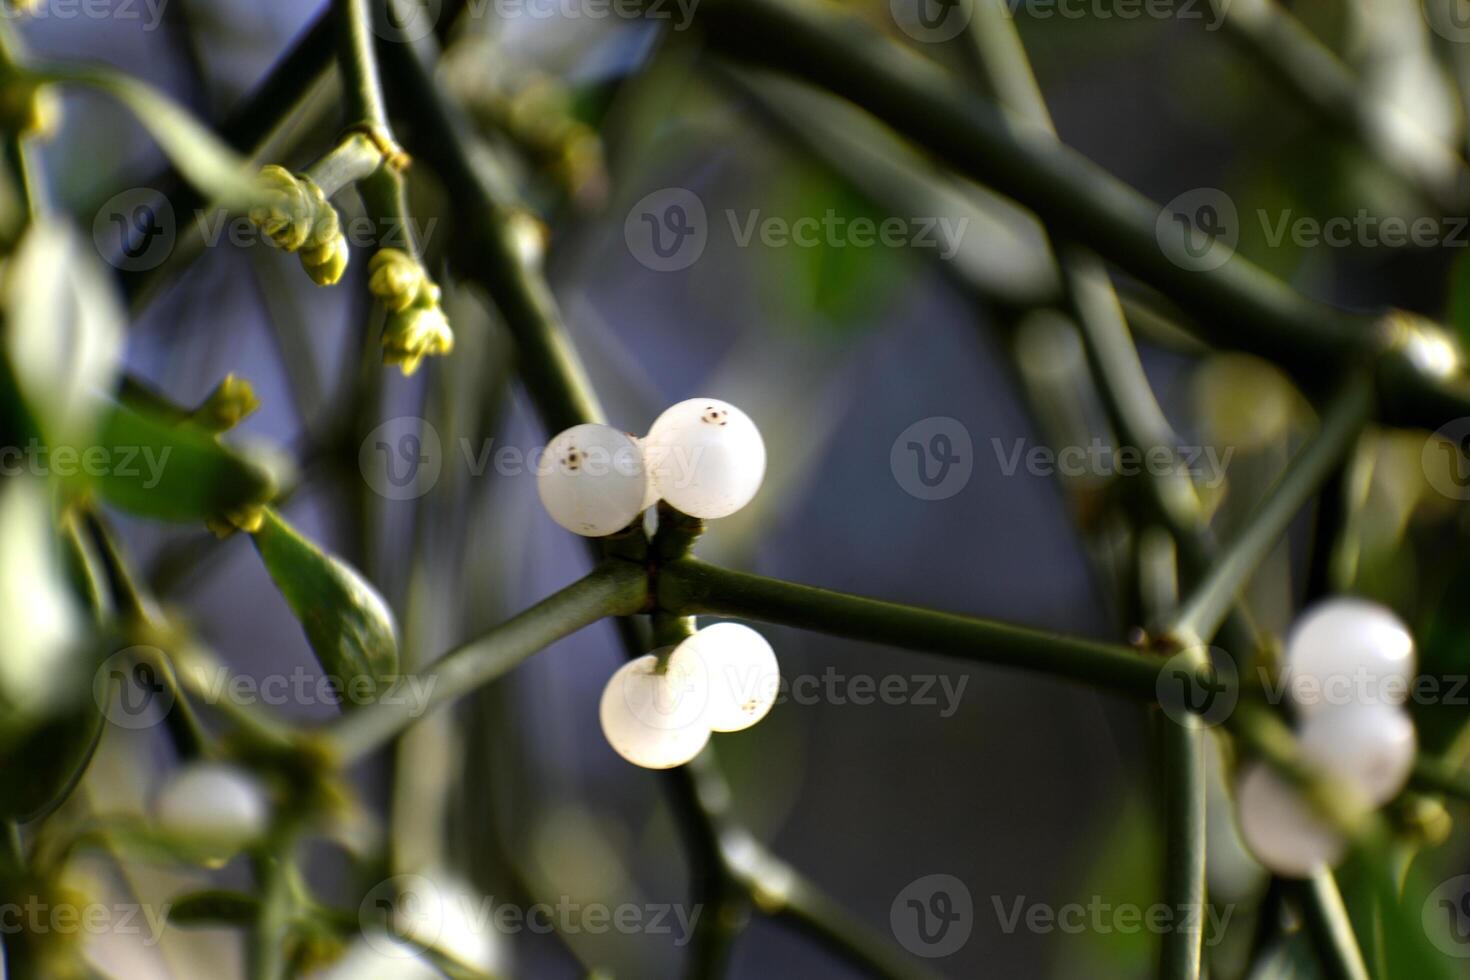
<point x="1349" y="650"/>
<point x="1279" y="827"/>
<point x="1370" y="745"/>
<point x="213" y="803"/>
<point x="743" y="674"/>
<point x="653" y="718"/>
<point x="592" y="480"/>
<point x="705" y="457"/>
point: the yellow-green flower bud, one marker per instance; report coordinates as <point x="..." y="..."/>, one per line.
<point x="230" y="402"/>
<point x="396" y="278"/>
<point x="325" y="265"/>
<point x="420" y="331"/>
<point x="284" y="210"/>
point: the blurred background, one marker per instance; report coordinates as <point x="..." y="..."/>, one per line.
<point x="1020" y="787"/>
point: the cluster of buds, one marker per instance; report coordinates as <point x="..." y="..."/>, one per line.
<point x="297" y="217"/>
<point x="416" y="326"/>
<point x="535" y="110"/>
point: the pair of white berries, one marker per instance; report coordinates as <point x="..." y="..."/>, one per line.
<point x="703" y="456"/>
<point x="659" y="714"/>
<point x="1359" y="736"/>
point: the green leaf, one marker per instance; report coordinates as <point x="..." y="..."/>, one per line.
<point x="346" y="622"/>
<point x="157" y="468"/>
<point x="64" y="329"/>
<point x="203" y="159"/>
<point x="39" y="771"/>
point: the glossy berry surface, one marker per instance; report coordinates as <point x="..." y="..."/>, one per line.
<point x="592" y="480"/>
<point x="705" y="457"/>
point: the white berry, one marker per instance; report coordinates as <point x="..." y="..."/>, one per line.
<point x="592" y="480"/>
<point x="650" y="494"/>
<point x="653" y="718"/>
<point x="1347" y="650"/>
<point x="212" y="802"/>
<point x="705" y="457"/>
<point x="743" y="674"/>
<point x="1370" y="745"/>
<point x="1279" y="827"/>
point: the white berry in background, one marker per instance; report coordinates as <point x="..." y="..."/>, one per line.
<point x="213" y="802"/>
<point x="592" y="480"/>
<point x="1350" y="650"/>
<point x="653" y="718"/>
<point x="1279" y="827"/>
<point x="1370" y="745"/>
<point x="743" y="674"/>
<point x="705" y="457"/>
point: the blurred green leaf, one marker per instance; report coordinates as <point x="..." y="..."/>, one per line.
<point x="64" y="329"/>
<point x="347" y="623"/>
<point x="835" y="285"/>
<point x="39" y="771"/>
<point x="156" y="468"/>
<point x="203" y="158"/>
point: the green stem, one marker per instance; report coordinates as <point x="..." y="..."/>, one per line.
<point x="805" y="907"/>
<point x="1183" y="760"/>
<point x="616" y="588"/>
<point x="496" y="254"/>
<point x="1328" y="926"/>
<point x="362" y="91"/>
<point x="1236" y="304"/>
<point x="1309" y="70"/>
<point x="689" y="586"/>
<point x="351" y="160"/>
<point x="1342" y="421"/>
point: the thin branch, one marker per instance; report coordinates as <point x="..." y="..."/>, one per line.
<point x="1328" y="926"/>
<point x="1342" y="422"/>
<point x="615" y="588"/>
<point x="689" y="586"/>
<point x="1182" y="757"/>
<point x="1236" y="304"/>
